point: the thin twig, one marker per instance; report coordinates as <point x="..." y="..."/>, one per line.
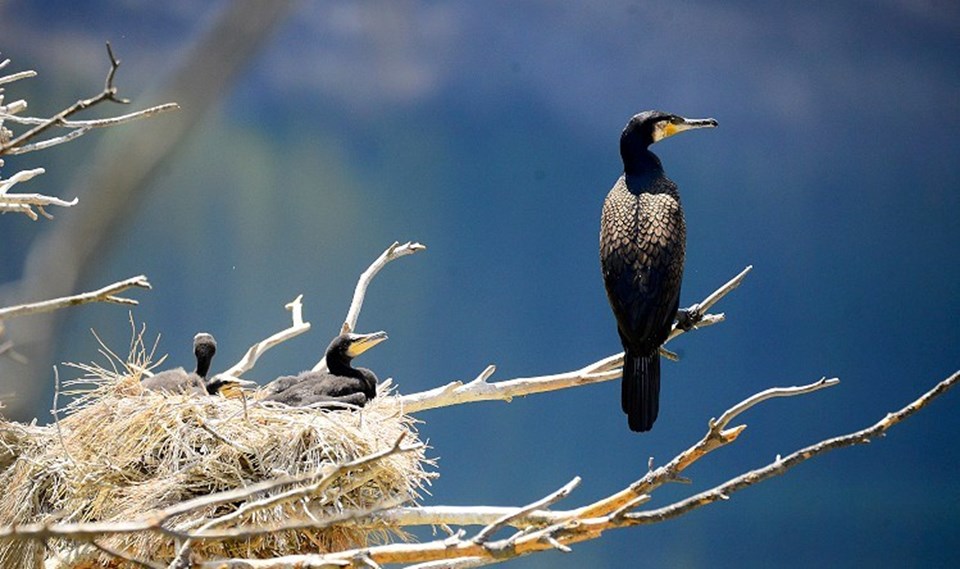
<point x="56" y="415"/>
<point x="48" y="143"/>
<point x="94" y="123"/>
<point x="771" y="393"/>
<point x="109" y="93"/>
<point x="16" y="76"/>
<point x="124" y="556"/>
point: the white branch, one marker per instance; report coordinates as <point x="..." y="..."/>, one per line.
<point x="105" y="294"/>
<point x="21" y="176"/>
<point x="94" y="123"/>
<point x="480" y="389"/>
<point x="394" y="251"/>
<point x="749" y="402"/>
<point x="510" y="518"/>
<point x="250" y="358"/>
<point x="44" y="144"/>
<point x="16" y="76"/>
<point x="607" y="369"/>
<point x="24" y="203"/>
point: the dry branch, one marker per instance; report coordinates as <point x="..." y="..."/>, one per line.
<point x="394" y="251"/>
<point x="106" y="294"/>
<point x="24" y="203"/>
<point x="19" y="144"/>
<point x="479" y="389"/>
<point x="297" y="327"/>
<point x="92" y="123"/>
<point x="582" y="524"/>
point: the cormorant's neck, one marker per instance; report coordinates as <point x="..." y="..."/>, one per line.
<point x="369" y="382"/>
<point x="341" y="366"/>
<point x="640" y="162"/>
<point x="203" y="363"/>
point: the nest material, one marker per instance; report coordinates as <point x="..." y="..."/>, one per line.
<point x="122" y="453"/>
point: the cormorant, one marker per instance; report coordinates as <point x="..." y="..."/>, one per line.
<point x="342" y="382"/>
<point x="177" y="380"/>
<point x="642" y="245"/>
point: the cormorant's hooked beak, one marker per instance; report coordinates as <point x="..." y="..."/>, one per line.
<point x="669" y="127"/>
<point x="360" y="343"/>
<point x="229" y="387"/>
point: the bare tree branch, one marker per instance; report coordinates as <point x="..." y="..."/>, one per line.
<point x="93" y="123"/>
<point x="394" y="251"/>
<point x="510" y="518"/>
<point x="22" y="203"/>
<point x="458" y="552"/>
<point x="105" y="294"/>
<point x="109" y="93"/>
<point x="297" y="327"/>
<point x="480" y="389"/>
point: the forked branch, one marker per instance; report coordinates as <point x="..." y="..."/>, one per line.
<point x="19" y="144"/>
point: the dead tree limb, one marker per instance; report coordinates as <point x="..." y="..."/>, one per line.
<point x="583" y="525"/>
<point x="19" y="145"/>
<point x="106" y="294"/>
<point x="297" y="327"/>
<point x="394" y="251"/>
<point x="479" y="389"/>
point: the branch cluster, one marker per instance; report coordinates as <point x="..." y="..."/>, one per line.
<point x="24" y="142"/>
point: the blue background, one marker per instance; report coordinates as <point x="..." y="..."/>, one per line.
<point x="488" y="131"/>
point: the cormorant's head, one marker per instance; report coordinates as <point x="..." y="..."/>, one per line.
<point x="648" y="127"/>
<point x="349" y="345"/>
<point x="204" y="347"/>
<point x="229" y="387"/>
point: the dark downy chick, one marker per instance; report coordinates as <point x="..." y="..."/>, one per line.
<point x="177" y="380"/>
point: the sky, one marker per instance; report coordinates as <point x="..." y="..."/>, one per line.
<point x="489" y="132"/>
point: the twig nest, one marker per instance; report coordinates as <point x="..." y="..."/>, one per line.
<point x="122" y="453"/>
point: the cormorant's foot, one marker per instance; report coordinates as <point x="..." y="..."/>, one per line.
<point x="688" y="318"/>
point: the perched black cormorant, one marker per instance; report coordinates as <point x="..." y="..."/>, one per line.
<point x="341" y="382"/>
<point x="177" y="380"/>
<point x="642" y="245"/>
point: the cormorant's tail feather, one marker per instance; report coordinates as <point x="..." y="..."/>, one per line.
<point x="640" y="389"/>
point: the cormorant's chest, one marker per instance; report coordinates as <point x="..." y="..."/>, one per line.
<point x="631" y="214"/>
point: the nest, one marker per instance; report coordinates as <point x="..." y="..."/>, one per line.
<point x="121" y="453"/>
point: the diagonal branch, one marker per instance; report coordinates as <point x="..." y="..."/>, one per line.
<point x="781" y="465"/>
<point x="457" y="392"/>
<point x="105" y="294"/>
<point x="505" y="520"/>
<point x="394" y="251"/>
<point x="93" y="123"/>
<point x="297" y="327"/>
